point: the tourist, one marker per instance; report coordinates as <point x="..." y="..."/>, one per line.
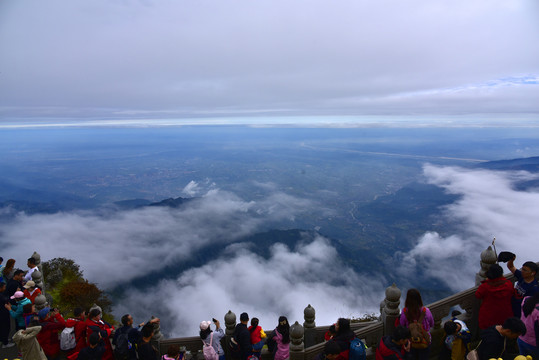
<point x="526" y="284"/>
<point x="343" y="336"/>
<point x="282" y="338"/>
<point x="214" y="337"/>
<point x="14" y="284"/>
<point x="31" y="263"/>
<point x="257" y="337"/>
<point x="173" y="353"/>
<point x="456" y="341"/>
<point x="496" y="292"/>
<point x="5" y="318"/>
<point x="1" y="269"/>
<point x="78" y="323"/>
<point x="17" y="310"/>
<point x="94" y="323"/>
<point x="415" y="313"/>
<point x="127" y="336"/>
<point x="331" y="351"/>
<point x="494" y="339"/>
<point x="241" y="340"/>
<point x="8" y="270"/>
<point x="31" y="291"/>
<point x="52" y="324"/>
<point x="395" y="346"/>
<point x="145" y="350"/>
<point x="29" y="313"/>
<point x="528" y="343"/>
<point x="95" y="349"/>
<point x="27" y="342"/>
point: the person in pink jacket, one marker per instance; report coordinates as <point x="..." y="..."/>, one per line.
<point x="282" y="338"/>
<point x="528" y="344"/>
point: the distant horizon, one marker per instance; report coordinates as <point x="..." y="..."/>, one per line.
<point x="341" y="121"/>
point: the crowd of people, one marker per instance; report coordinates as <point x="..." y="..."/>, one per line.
<point x="507" y="312"/>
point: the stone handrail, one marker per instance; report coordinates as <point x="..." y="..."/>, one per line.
<point x="307" y="341"/>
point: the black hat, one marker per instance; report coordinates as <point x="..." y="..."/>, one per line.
<point x="505" y="256"/>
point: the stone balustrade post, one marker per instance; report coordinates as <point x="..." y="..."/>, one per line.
<point x="488" y="257"/>
<point x="297" y="346"/>
<point x="309" y="326"/>
<point x="390" y="308"/>
<point x="41" y="302"/>
<point x="37" y="275"/>
<point x="230" y="326"/>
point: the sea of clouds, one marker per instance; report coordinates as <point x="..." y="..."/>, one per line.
<point x="114" y="247"/>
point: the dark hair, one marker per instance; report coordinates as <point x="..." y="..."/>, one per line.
<point x="173" y="350"/>
<point x="10" y="264"/>
<point x="93" y="313"/>
<point x="32" y="261"/>
<point x="531" y="265"/>
<point x="93" y="339"/>
<point x="332" y="329"/>
<point x="450" y="327"/>
<point x="17" y="272"/>
<point x="2" y="284"/>
<point x="530" y="304"/>
<point x="254" y="324"/>
<point x="1" y="259"/>
<point x="515" y="325"/>
<point x="284" y="329"/>
<point x="401" y="333"/>
<point x="27" y="308"/>
<point x="244" y="317"/>
<point x="33" y="322"/>
<point x="78" y="311"/>
<point x="332" y="348"/>
<point x="413" y="303"/>
<point x="494" y="271"/>
<point x="125" y="319"/>
<point x="204" y="333"/>
<point x="147" y="330"/>
<point x="344" y="325"/>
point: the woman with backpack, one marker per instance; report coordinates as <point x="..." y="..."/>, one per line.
<point x="212" y="337"/>
<point x="419" y="320"/>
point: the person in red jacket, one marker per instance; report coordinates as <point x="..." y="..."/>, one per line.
<point x="496" y="293"/>
<point x="78" y="322"/>
<point x="52" y="323"/>
<point x="31" y="291"/>
<point x="396" y="346"/>
<point x="95" y="324"/>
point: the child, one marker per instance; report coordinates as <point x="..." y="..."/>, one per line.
<point x="257" y="337"/>
<point x="457" y="339"/>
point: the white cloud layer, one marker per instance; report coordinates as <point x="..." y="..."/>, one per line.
<point x="490" y="205"/>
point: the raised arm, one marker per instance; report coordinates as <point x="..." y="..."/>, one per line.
<point x="511" y="265"/>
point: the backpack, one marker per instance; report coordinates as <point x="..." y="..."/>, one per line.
<point x="358" y="350"/>
<point x="67" y="339"/>
<point x="123" y="346"/>
<point x="209" y="351"/>
<point x="420" y="336"/>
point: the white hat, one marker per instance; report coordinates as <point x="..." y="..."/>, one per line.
<point x="204" y="325"/>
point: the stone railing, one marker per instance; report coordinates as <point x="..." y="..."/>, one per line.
<point x="307" y="340"/>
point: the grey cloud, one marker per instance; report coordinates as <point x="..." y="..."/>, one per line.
<point x="129" y="59"/>
<point x="490" y="205"/>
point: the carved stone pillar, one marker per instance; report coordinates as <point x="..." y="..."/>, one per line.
<point x="488" y="257"/>
<point x="390" y="310"/>
<point x="230" y="326"/>
<point x="37" y="277"/>
<point x="297" y="346"/>
<point x="41" y="302"/>
<point x="309" y="324"/>
<point x="157" y="336"/>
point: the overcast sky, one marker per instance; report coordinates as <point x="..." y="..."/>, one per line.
<point x="443" y="61"/>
